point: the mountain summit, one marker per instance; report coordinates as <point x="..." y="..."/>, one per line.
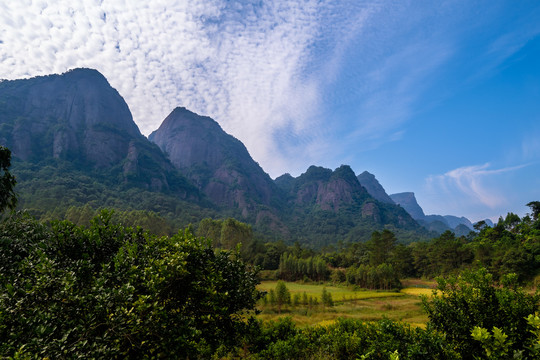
<point x="78" y="118"/>
<point x="77" y="115"/>
<point x="437" y="223"/>
<point x="218" y="163"/>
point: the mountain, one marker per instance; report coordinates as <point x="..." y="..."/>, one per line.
<point x="374" y="188"/>
<point x="324" y="205"/>
<point x="75" y="116"/>
<point x="437" y="223"/>
<point x="216" y="162"/>
<point x="76" y="149"/>
<point x="79" y="118"/>
<point x="407" y="200"/>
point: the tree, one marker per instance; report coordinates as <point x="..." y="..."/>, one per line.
<point x="479" y="225"/>
<point x="8" y="198"/>
<point x="535" y="208"/>
<point x="326" y="298"/>
<point x="283" y="296"/>
<point x="380" y="246"/>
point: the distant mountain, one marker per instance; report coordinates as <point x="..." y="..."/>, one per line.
<point x="374" y="188"/>
<point x="437" y="223"/>
<point x="454" y="221"/>
<point x="76" y="148"/>
<point x="407" y="200"/>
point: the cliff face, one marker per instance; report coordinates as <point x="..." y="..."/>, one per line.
<point x="215" y="161"/>
<point x="75" y="115"/>
<point x="80" y="118"/>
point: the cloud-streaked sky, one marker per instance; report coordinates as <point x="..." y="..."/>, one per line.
<point x="437" y="97"/>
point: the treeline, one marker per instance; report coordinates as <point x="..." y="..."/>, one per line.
<point x="382" y="276"/>
<point x="510" y="246"/>
<point x="292" y="268"/>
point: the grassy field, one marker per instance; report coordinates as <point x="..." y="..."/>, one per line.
<point x="366" y="305"/>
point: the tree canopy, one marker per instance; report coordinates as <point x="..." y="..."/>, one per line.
<point x="8" y="198"/>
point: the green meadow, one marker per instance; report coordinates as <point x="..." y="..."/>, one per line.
<point x="366" y="305"/>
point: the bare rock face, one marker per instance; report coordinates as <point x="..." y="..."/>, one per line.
<point x="215" y="161"/>
<point x="370" y="210"/>
<point x="74" y="115"/>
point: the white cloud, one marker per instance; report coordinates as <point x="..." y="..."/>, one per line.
<point x="469" y="186"/>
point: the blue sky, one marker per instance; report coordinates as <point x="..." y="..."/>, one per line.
<point x="439" y="98"/>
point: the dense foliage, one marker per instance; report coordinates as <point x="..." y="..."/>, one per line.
<point x="8" y="199"/>
<point x="459" y="304"/>
<point x="293" y="268"/>
<point x="108" y="291"/>
<point x="345" y="339"/>
<point x="58" y="189"/>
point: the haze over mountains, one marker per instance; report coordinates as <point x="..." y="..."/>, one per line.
<point x="76" y="125"/>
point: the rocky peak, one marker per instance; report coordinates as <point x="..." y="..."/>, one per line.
<point x="328" y="189"/>
<point x="285" y="182"/>
<point x="71" y="116"/>
<point x="217" y="162"/>
<point x="374" y="188"/>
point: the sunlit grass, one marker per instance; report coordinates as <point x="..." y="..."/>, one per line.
<point x="339" y="293"/>
<point x="417" y="291"/>
<point x="365" y="305"/>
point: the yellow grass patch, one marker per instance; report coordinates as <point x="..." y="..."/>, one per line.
<point x="417" y="291"/>
<point x="339" y="294"/>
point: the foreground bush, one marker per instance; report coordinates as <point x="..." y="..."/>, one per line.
<point x="473" y="300"/>
<point x="345" y="339"/>
<point x="113" y="292"/>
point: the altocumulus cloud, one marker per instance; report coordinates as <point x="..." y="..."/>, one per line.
<point x="243" y="63"/>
